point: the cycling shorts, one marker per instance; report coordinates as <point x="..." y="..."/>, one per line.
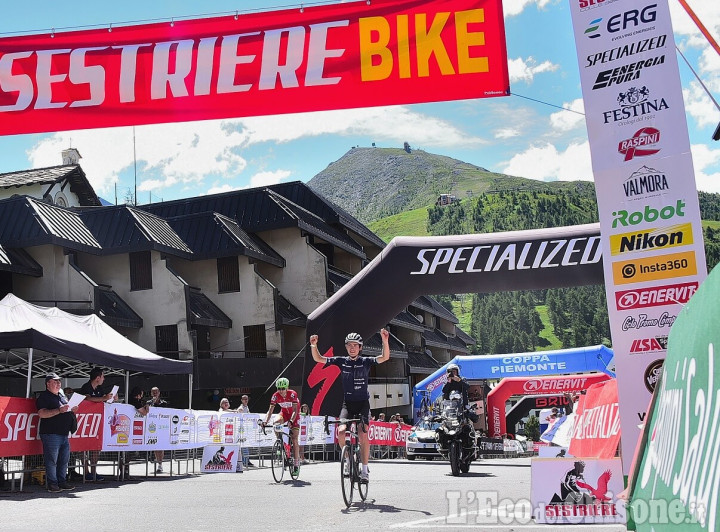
<point x="355" y="410"/>
<point x="286" y="416"/>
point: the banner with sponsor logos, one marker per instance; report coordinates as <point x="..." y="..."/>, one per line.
<point x="341" y="56"/>
<point x="124" y="429"/>
<point x="19" y="423"/>
<point x="569" y="491"/>
<point x="679" y="468"/>
<point x="596" y="433"/>
<point x="654" y="259"/>
<point x="220" y="458"/>
<point x="393" y="434"/>
<point x="510" y="386"/>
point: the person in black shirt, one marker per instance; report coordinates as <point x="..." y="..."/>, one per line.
<point x="94" y="392"/>
<point x="456" y="383"/>
<point x="56" y="421"/>
<point x="160" y="403"/>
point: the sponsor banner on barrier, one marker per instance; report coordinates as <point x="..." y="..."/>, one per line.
<point x="393" y="434"/>
<point x="596" y="433"/>
<point x="162" y="428"/>
<point x="491" y="445"/>
<point x="570" y="491"/>
<point x="320" y="57"/>
<point x="19" y="424"/>
<point x="220" y="458"/>
<point x="680" y="463"/>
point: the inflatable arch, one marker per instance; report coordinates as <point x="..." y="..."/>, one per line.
<point x="413" y="266"/>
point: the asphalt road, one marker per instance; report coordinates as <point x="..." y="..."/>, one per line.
<point x="417" y="495"/>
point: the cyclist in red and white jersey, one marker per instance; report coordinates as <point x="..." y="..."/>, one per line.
<point x="289" y="412"/>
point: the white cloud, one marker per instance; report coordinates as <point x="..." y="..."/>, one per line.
<point x="513" y="8"/>
<point x="507" y="133"/>
<point x="525" y="69"/>
<point x="703" y="159"/>
<point x="263" y="179"/>
<point x="699" y="106"/>
<point x="568" y="120"/>
<point x="222" y="188"/>
<point x="546" y="163"/>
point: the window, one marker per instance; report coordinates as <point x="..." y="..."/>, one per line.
<point x="140" y="271"/>
<point x="166" y="341"/>
<point x="228" y="274"/>
<point x="255" y="346"/>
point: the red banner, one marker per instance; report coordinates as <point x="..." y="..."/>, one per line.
<point x="394" y="434"/>
<point x="356" y="54"/>
<point x="19" y="422"/>
<point x="597" y="423"/>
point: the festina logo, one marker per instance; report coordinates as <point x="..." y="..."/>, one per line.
<point x="626" y="73"/>
<point x="645" y="181"/>
<point x="635" y="103"/>
<point x="646" y="345"/>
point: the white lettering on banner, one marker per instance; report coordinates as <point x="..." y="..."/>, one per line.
<point x="508" y="257"/>
<point x="88" y="425"/>
<point x="440" y="381"/>
<point x="600" y="422"/>
<point x="172" y="62"/>
<point x="496" y="421"/>
<point x="19" y="422"/>
<point x="570" y="384"/>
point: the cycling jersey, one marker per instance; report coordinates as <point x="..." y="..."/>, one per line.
<point x="288" y="405"/>
<point x="355" y="375"/>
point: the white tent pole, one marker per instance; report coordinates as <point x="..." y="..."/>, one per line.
<point x="127" y="386"/>
<point x="29" y="374"/>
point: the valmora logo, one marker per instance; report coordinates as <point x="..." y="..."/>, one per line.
<point x="655" y="296"/>
<point x="655" y="238"/>
<point x="648" y="345"/>
<point x="640" y="144"/>
<point x="634" y="103"/>
<point x="645" y="182"/>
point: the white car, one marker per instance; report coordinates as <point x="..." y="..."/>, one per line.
<point x="421" y="441"/>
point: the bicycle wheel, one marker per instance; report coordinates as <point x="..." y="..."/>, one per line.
<point x="294" y="465"/>
<point x="361" y="486"/>
<point x="347" y="474"/>
<point x="278" y="460"/>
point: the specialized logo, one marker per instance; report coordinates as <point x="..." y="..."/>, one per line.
<point x="635" y="103"/>
<point x="627" y="22"/>
<point x="640" y="144"/>
<point x="652" y="374"/>
<point x="648" y="214"/>
<point x="628" y="50"/>
<point x="653" y="268"/>
<point x="655" y="238"/>
<point x="645" y="182"/>
<point x="626" y="73"/>
<point x="649" y="345"/>
<point x="507" y="257"/>
<point x="655" y="296"/>
<point x="592" y="4"/>
<point x="644" y="321"/>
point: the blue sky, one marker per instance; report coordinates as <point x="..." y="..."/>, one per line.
<point x="513" y="135"/>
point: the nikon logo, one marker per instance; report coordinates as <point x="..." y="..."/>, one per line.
<point x="514" y="256"/>
<point x="656" y="238"/>
<point x="648" y="214"/>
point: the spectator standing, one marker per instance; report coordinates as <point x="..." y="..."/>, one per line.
<point x="381" y="417"/>
<point x="56" y="422"/>
<point x="95" y="393"/>
<point x="225" y="406"/>
<point x="136" y="399"/>
<point x="304" y="419"/>
<point x="245" y="409"/>
<point x="158" y="402"/>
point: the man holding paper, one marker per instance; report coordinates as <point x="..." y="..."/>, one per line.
<point x="56" y="422"/>
<point x="94" y="392"/>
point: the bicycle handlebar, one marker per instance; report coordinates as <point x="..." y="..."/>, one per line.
<point x="339" y="421"/>
<point x="264" y="425"/>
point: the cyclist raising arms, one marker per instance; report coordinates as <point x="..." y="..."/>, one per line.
<point x="289" y="412"/>
<point x="355" y="371"/>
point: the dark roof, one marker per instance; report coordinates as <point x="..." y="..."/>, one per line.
<point x="408" y="321"/>
<point x="437" y="338"/>
<point x="464" y="337"/>
<point x="28" y="222"/>
<point x="212" y="235"/>
<point x="111" y="308"/>
<point x="432" y="306"/>
<point x="19" y="261"/>
<point x="289" y="314"/>
<point x="122" y="228"/>
<point x="422" y="363"/>
<point x="338" y="278"/>
<point x="374" y="343"/>
<point x="72" y="173"/>
<point x="205" y="312"/>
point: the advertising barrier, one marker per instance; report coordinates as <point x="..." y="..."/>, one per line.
<point x="220" y="458"/>
<point x="596" y="433"/>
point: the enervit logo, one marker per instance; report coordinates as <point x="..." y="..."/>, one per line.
<point x="655" y="238"/>
<point x="626" y="73"/>
<point x="653" y="268"/>
<point x="622" y="22"/>
<point x="555" y="385"/>
<point x="640" y="144"/>
<point x="655" y="296"/>
<point x="626" y="51"/>
<point x="652" y="374"/>
<point x="648" y="214"/>
<point x="648" y="345"/>
<point x="645" y="182"/>
<point x="634" y="104"/>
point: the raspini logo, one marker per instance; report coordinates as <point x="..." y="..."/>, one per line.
<point x="641" y="144"/>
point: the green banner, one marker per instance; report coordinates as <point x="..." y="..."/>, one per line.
<point x="678" y="478"/>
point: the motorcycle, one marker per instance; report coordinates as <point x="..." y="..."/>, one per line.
<point x="457" y="441"/>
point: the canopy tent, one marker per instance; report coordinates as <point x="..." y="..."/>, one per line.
<point x="85" y="338"/>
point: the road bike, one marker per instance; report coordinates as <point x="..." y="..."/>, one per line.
<point x="282" y="454"/>
<point x="350" y="462"/>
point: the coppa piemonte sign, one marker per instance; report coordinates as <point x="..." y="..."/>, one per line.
<point x="346" y="55"/>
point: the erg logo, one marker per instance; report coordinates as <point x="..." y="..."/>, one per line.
<point x="620" y="22"/>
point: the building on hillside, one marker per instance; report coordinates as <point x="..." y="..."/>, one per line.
<point x="226" y="280"/>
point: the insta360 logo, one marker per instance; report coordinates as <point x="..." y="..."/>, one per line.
<point x="628" y="271"/>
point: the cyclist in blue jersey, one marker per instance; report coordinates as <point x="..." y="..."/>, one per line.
<point x="355" y="370"/>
